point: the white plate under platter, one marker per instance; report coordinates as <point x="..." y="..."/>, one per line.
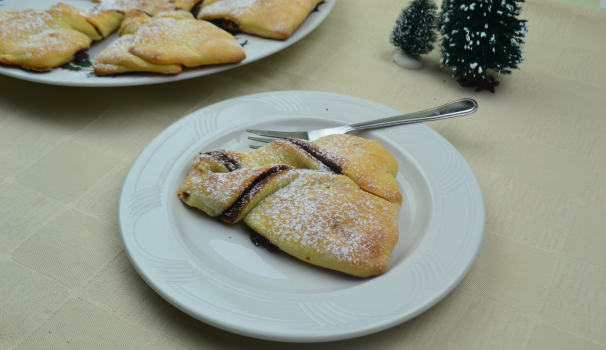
<point x="255" y="48"/>
<point x="214" y="273"/>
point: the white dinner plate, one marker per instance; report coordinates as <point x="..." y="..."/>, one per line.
<point x="214" y="273"/>
<point x="82" y="74"/>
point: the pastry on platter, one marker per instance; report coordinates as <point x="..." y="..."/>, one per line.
<point x="274" y="19"/>
<point x="176" y="37"/>
<point x="42" y="40"/>
<point x="161" y="44"/>
<point x="133" y="20"/>
<point x="306" y="199"/>
<point x="150" y="6"/>
<point x="105" y="21"/>
<point x="7" y="14"/>
<point x="117" y="59"/>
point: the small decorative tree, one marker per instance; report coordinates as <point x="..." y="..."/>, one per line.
<point x="415" y="28"/>
<point x="481" y="35"/>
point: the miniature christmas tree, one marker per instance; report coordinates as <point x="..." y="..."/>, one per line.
<point x="415" y="29"/>
<point x="481" y="35"/>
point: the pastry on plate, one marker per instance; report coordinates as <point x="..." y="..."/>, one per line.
<point x="117" y="59"/>
<point x="42" y="40"/>
<point x="327" y="220"/>
<point x="135" y="19"/>
<point x="274" y="19"/>
<point x="306" y="199"/>
<point x="366" y="162"/>
<point x="105" y="21"/>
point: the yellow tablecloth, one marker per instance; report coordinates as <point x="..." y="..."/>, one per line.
<point x="537" y="146"/>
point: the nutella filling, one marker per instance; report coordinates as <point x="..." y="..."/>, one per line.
<point x="261" y="241"/>
<point x="80" y="56"/>
<point x="233" y="212"/>
<point x="316" y="153"/>
<point x="196" y="9"/>
<point x="230" y="26"/>
<point x="229" y="163"/>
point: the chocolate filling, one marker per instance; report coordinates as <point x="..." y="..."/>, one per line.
<point x="196" y="9"/>
<point x="261" y="241"/>
<point x="233" y="212"/>
<point x="229" y="163"/>
<point x="230" y="26"/>
<point x="316" y="153"/>
<point x="80" y="56"/>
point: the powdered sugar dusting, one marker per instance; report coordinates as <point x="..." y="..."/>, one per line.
<point x="220" y="190"/>
<point x="325" y="213"/>
<point x="125" y="5"/>
<point x="234" y="7"/>
<point x="37" y="30"/>
<point x="169" y="31"/>
<point x="117" y="51"/>
<point x="365" y="162"/>
<point x="318" y="216"/>
<point x="282" y="152"/>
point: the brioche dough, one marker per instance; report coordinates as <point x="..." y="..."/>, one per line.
<point x="116" y="59"/>
<point x="44" y="40"/>
<point x="366" y="162"/>
<point x="176" y="37"/>
<point x="133" y="20"/>
<point x="161" y="44"/>
<point x="326" y="220"/>
<point x="275" y="19"/>
<point x="150" y="6"/>
<point x="104" y="21"/>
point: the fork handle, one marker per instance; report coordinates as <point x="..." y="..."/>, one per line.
<point x="453" y="109"/>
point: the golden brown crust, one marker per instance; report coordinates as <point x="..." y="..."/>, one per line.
<point x="150" y="6"/>
<point x="178" y="38"/>
<point x="133" y="20"/>
<point x="44" y="40"/>
<point x="326" y="220"/>
<point x="104" y="21"/>
<point x="275" y="19"/>
<point x="366" y="162"/>
<point x="166" y="41"/>
<point x="7" y="14"/>
<point x="116" y="59"/>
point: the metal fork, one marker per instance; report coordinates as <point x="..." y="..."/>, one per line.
<point x="453" y="109"/>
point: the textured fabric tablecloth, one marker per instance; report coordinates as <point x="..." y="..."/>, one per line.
<point x="537" y="146"/>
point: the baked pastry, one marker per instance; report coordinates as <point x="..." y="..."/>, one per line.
<point x="104" y="21"/>
<point x="326" y="220"/>
<point x="7" y="14"/>
<point x="274" y="19"/>
<point x="117" y="59"/>
<point x="161" y="44"/>
<point x="318" y="214"/>
<point x="366" y="162"/>
<point x="133" y="20"/>
<point x="42" y="40"/>
<point x="176" y="37"/>
<point x="150" y="6"/>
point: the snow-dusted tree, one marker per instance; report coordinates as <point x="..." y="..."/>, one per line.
<point x="415" y="29"/>
<point x="479" y="35"/>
